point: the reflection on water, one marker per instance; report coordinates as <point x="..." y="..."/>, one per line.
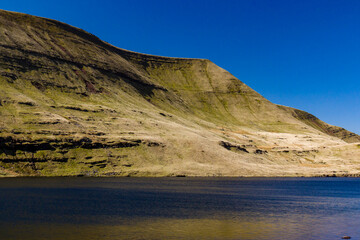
<point x="179" y="208"/>
<point x="156" y="229"/>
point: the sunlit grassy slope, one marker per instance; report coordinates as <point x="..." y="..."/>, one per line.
<point x="71" y="104"/>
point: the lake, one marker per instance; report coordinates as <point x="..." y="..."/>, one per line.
<point x="179" y="208"/>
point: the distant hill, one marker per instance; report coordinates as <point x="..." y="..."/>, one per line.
<point x="73" y="105"/>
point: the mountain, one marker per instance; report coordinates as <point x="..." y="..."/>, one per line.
<point x="73" y="105"/>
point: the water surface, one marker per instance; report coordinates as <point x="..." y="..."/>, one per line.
<point x="179" y="208"/>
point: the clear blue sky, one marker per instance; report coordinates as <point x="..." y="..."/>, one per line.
<point x="300" y="53"/>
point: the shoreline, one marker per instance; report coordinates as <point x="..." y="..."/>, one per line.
<point x="354" y="175"/>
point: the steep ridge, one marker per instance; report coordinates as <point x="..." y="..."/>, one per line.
<point x="71" y="104"/>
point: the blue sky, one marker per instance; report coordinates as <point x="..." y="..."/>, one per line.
<point x="299" y="53"/>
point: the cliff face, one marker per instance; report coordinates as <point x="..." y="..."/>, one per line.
<point x="71" y="104"/>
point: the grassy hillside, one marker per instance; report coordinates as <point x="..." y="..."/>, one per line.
<point x="71" y="104"/>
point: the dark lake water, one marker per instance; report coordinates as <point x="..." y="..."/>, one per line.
<point x="179" y="208"/>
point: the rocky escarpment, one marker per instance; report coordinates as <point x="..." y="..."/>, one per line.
<point x="71" y="104"/>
